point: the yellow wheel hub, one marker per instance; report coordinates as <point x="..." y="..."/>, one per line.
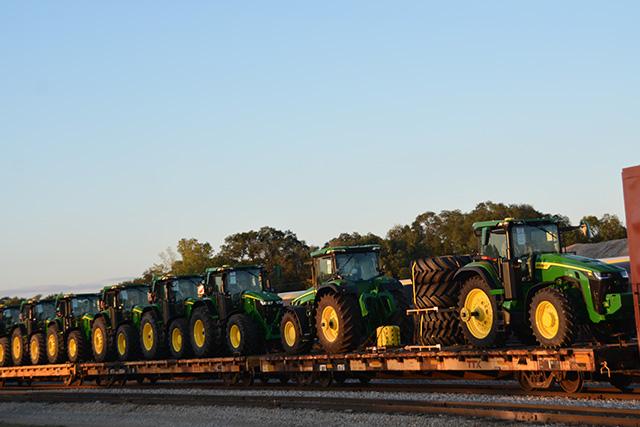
<point x="34" y="349"/>
<point x="290" y="334"/>
<point x="330" y="325"/>
<point x="98" y="341"/>
<point x="147" y="336"/>
<point x="235" y="336"/>
<point x="198" y="333"/>
<point x="73" y="348"/>
<point x="176" y="340"/>
<point x="52" y="345"/>
<point x="121" y="343"/>
<point x="479" y="319"/>
<point x="547" y="320"/>
<point x="16" y="347"/>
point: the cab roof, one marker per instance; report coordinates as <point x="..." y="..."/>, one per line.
<point x="125" y="286"/>
<point x="84" y="294"/>
<point x="344" y="249"/>
<point x="231" y="268"/>
<point x="502" y="222"/>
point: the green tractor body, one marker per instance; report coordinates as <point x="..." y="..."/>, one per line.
<point x="9" y="321"/>
<point x="28" y="336"/>
<point x="114" y="329"/>
<point x="524" y="282"/>
<point x="242" y="313"/>
<point x="165" y="321"/>
<point x="74" y="313"/>
<point x="349" y="299"/>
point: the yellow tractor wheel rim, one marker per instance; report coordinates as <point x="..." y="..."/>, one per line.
<point x="147" y="336"/>
<point x="121" y="343"/>
<point x="73" y="348"/>
<point x="52" y="345"/>
<point x="34" y="348"/>
<point x="547" y="320"/>
<point x="198" y="333"/>
<point x="1" y="354"/>
<point x="235" y="336"/>
<point x="290" y="334"/>
<point x="478" y="304"/>
<point x="330" y="325"/>
<point x="98" y="341"/>
<point x="176" y="340"/>
<point x="17" y="347"/>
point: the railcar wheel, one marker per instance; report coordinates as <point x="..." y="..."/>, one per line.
<point x="325" y="379"/>
<point x="621" y="382"/>
<point x="304" y="378"/>
<point x="571" y="382"/>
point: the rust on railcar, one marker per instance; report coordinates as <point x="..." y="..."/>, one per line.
<point x="631" y="187"/>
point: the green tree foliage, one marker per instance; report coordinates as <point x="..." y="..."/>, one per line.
<point x="607" y="227"/>
<point x="195" y="257"/>
<point x="354" y="239"/>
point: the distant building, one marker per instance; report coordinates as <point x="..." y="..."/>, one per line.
<point x="608" y="249"/>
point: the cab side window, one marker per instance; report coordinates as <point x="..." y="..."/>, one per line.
<point x="496" y="247"/>
<point x="218" y="283"/>
<point x="324" y="267"/>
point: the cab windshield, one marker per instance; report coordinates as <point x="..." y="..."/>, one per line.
<point x="10" y="315"/>
<point x="131" y="297"/>
<point x="45" y="310"/>
<point x="184" y="288"/>
<point x="531" y="239"/>
<point x="84" y="304"/>
<point x="358" y="265"/>
<point x="244" y="280"/>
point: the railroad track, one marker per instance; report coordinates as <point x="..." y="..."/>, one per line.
<point x="537" y="413"/>
<point x="590" y="393"/>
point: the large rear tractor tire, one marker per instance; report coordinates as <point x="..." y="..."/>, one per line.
<point x="101" y="341"/>
<point x="480" y="314"/>
<point x="5" y="352"/>
<point x="338" y="323"/>
<point x="55" y="345"/>
<point x="552" y="318"/>
<point x="127" y="343"/>
<point x="179" y="345"/>
<point x="18" y="347"/>
<point x="37" y="349"/>
<point x="151" y="337"/>
<point x="77" y="347"/>
<point x="243" y="335"/>
<point x="291" y="334"/>
<point x="205" y="334"/>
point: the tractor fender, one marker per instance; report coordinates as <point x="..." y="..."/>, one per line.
<point x="331" y="288"/>
<point x="468" y="271"/>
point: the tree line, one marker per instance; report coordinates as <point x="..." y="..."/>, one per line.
<point x="287" y="260"/>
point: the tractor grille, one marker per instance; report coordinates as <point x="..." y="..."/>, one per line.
<point x="269" y="312"/>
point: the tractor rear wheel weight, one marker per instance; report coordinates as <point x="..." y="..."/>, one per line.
<point x="55" y="345"/>
<point x="338" y="323"/>
<point x="127" y="342"/>
<point x="5" y="352"/>
<point x="77" y="347"/>
<point x="151" y="337"/>
<point x="291" y="334"/>
<point x="552" y="318"/>
<point x="37" y="350"/>
<point x="178" y="339"/>
<point x="18" y="347"/>
<point x="481" y="316"/>
<point x="101" y="341"/>
<point x="243" y="335"/>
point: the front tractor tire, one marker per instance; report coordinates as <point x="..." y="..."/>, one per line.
<point x="127" y="344"/>
<point x="18" y="348"/>
<point x="291" y="334"/>
<point x="243" y="335"/>
<point x="55" y="345"/>
<point x="77" y="347"/>
<point x="179" y="346"/>
<point x="5" y="352"/>
<point x="338" y="323"/>
<point x="101" y="341"/>
<point x="151" y="337"/>
<point x="205" y="335"/>
<point x="552" y="318"/>
<point x="37" y="350"/>
<point x="480" y="314"/>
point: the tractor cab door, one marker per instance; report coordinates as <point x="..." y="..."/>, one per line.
<point x="223" y="298"/>
<point x="168" y="300"/>
<point x="114" y="309"/>
<point x="28" y="316"/>
<point x="495" y="248"/>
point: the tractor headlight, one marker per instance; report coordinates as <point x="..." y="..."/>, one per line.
<point x="624" y="274"/>
<point x="600" y="275"/>
<point x="263" y="302"/>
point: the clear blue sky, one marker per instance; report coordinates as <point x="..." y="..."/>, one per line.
<point x="125" y="126"/>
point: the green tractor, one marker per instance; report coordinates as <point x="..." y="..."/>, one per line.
<point x="114" y="330"/>
<point x="28" y="336"/>
<point x="10" y="319"/>
<point x="241" y="309"/>
<point x="172" y="301"/>
<point x="350" y="298"/>
<point x="71" y="327"/>
<point x="523" y="282"/>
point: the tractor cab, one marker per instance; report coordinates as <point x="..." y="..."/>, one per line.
<point x="170" y="293"/>
<point x="350" y="263"/>
<point x="34" y="314"/>
<point x="120" y="300"/>
<point x="73" y="306"/>
<point x="10" y="317"/>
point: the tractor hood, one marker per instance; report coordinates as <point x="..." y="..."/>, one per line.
<point x="264" y="296"/>
<point x="383" y="283"/>
<point x="578" y="263"/>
